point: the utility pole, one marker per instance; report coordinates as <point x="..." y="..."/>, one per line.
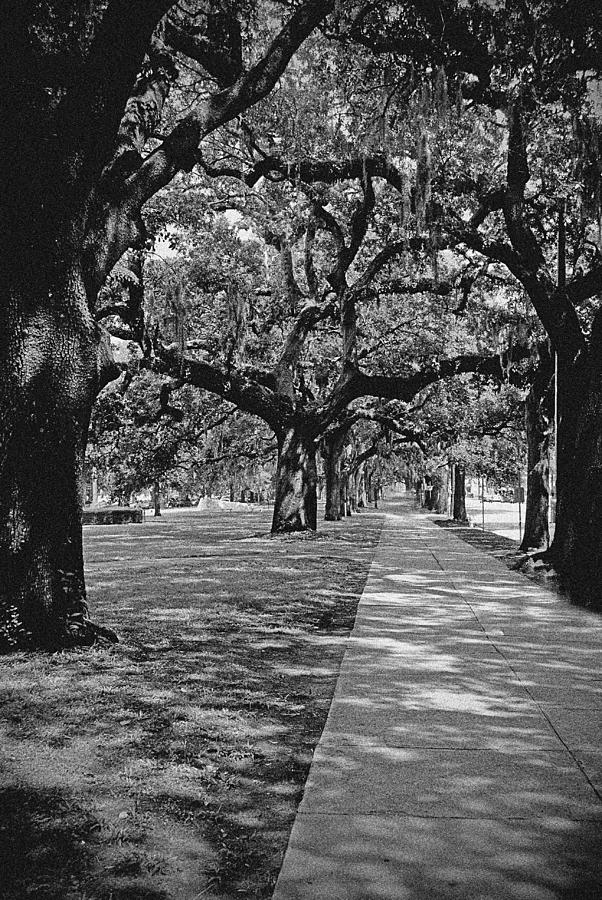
<point x="483" y="502"/>
<point x="520" y="522"/>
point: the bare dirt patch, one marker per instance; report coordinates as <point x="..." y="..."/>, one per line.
<point x="171" y="765"/>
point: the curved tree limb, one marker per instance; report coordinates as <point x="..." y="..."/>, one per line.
<point x="245" y="391"/>
<point x="179" y="150"/>
<point x="405" y="387"/>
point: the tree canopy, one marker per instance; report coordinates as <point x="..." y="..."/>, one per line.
<point x="316" y="211"/>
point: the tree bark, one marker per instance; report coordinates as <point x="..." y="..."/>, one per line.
<point x="460" y="494"/>
<point x="295" y="504"/>
<point x="577" y="547"/>
<point x="66" y="89"/>
<point x="539" y="415"/>
<point x="48" y="382"/>
<point x="576" y="551"/>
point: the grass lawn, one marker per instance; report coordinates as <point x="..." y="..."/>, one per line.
<point x="171" y="765"/>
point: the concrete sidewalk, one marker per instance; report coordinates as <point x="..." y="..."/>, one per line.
<point x="461" y="757"/>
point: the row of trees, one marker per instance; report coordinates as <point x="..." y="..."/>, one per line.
<point x="197" y="450"/>
<point x="202" y="448"/>
<point x="402" y="184"/>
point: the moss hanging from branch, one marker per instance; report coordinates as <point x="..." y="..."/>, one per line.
<point x="423" y="179"/>
<point x="405" y="208"/>
<point x="441" y="98"/>
<point x="434" y="241"/>
<point x="180" y="317"/>
<point x="459" y="100"/>
<point x="237" y="321"/>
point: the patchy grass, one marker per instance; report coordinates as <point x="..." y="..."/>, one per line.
<point x="170" y="766"/>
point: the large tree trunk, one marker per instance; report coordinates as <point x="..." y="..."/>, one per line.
<point x="331" y="448"/>
<point x="460" y="494"/>
<point x="577" y="547"/>
<point x="48" y="382"/>
<point x="73" y="184"/>
<point x="59" y="132"/>
<point x="295" y="504"/>
<point x="539" y="416"/>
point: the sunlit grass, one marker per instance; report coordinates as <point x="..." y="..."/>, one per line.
<point x="171" y="765"/>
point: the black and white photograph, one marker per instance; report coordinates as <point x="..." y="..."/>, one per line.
<point x="301" y="450"/>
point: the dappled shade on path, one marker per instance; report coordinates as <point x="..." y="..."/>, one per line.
<point x="460" y="758"/>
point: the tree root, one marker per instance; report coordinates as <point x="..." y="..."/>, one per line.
<point x="83" y="632"/>
<point x="535" y="563"/>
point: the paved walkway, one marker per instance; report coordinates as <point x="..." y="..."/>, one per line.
<point x="461" y="757"/>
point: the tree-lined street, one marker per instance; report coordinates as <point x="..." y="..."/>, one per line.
<point x="267" y="264"/>
<point x="421" y="181"/>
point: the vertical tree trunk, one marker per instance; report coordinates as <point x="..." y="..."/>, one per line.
<point x="344" y="496"/>
<point x="157" y="497"/>
<point x="295" y="504"/>
<point x="577" y="547"/>
<point x="539" y="414"/>
<point x="331" y="447"/>
<point x="48" y="382"/>
<point x="58" y="135"/>
<point x="460" y="494"/>
<point x="351" y="493"/>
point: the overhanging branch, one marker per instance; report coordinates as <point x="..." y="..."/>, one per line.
<point x="236" y="387"/>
